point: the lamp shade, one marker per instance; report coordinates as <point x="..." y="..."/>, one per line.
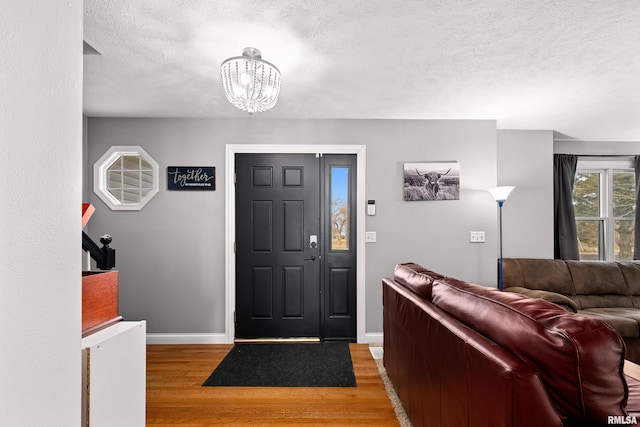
<point x="250" y="83"/>
<point x="500" y="194"/>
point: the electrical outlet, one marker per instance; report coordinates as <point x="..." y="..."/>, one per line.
<point x="476" y="236"/>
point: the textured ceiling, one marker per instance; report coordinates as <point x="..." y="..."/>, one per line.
<point x="572" y="66"/>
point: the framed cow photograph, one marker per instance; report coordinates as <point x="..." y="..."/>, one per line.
<point x="431" y="181"/>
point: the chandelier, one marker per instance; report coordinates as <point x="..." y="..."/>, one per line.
<point x="250" y="83"/>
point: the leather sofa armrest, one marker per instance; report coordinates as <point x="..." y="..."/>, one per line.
<point x="554" y="297"/>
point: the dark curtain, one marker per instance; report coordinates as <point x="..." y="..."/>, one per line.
<point x="565" y="239"/>
<point x="636" y="241"/>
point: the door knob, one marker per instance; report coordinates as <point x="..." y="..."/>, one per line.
<point x="310" y="259"/>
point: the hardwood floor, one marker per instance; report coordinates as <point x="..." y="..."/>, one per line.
<point x="175" y="396"/>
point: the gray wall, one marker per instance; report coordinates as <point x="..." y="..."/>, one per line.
<point x="525" y="160"/>
<point x="623" y="148"/>
<point x="171" y="253"/>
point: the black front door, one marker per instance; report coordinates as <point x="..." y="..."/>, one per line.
<point x="295" y="246"/>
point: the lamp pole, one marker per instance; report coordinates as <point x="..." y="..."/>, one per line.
<point x="500" y="203"/>
<point x="500" y="195"/>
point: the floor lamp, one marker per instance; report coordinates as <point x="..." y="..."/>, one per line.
<point x="500" y="194"/>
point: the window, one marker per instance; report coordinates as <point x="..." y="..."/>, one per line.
<point x="339" y="208"/>
<point x="604" y="201"/>
<point x="126" y="178"/>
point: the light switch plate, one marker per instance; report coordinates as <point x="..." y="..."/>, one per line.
<point x="370" y="236"/>
<point x="476" y="236"/>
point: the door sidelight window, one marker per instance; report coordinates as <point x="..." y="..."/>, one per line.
<point x="339" y="208"/>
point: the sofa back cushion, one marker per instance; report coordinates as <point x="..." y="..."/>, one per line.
<point x="554" y="297"/>
<point x="542" y="274"/>
<point x="579" y="359"/>
<point x="599" y="284"/>
<point x="416" y="278"/>
<point x="631" y="272"/>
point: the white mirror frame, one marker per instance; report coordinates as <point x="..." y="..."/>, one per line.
<point x="100" y="176"/>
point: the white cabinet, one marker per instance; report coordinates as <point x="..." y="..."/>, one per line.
<point x="114" y="376"/>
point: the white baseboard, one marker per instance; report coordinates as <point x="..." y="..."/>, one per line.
<point x="373" y="337"/>
<point x="186" y="339"/>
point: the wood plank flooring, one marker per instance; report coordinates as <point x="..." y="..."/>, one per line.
<point x="175" y="396"/>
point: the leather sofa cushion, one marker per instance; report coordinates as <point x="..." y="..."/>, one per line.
<point x="624" y="320"/>
<point x="597" y="301"/>
<point x="416" y="278"/>
<point x="631" y="272"/>
<point x="579" y="358"/>
<point x="554" y="297"/>
<point x="597" y="278"/>
<point x="542" y="274"/>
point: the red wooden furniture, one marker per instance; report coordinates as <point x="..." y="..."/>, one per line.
<point x="99" y="300"/>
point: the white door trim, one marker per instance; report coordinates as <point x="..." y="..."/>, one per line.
<point x="230" y="223"/>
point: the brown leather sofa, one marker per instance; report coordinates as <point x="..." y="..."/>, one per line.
<point x="609" y="291"/>
<point x="460" y="354"/>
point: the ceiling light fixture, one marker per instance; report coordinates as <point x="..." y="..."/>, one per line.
<point x="250" y="83"/>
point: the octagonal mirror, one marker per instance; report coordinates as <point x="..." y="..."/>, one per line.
<point x="125" y="178"/>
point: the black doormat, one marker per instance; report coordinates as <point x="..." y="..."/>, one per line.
<point x="285" y="365"/>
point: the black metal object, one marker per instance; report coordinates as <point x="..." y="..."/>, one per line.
<point x="105" y="256"/>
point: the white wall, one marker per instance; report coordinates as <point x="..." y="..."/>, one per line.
<point x="41" y="164"/>
<point x="171" y="254"/>
<point x="525" y="160"/>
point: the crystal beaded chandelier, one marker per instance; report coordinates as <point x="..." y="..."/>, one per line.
<point x="250" y="83"/>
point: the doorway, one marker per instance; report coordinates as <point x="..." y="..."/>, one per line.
<point x="230" y="223"/>
<point x="295" y="246"/>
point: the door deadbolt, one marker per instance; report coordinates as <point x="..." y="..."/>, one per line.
<point x="313" y="241"/>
